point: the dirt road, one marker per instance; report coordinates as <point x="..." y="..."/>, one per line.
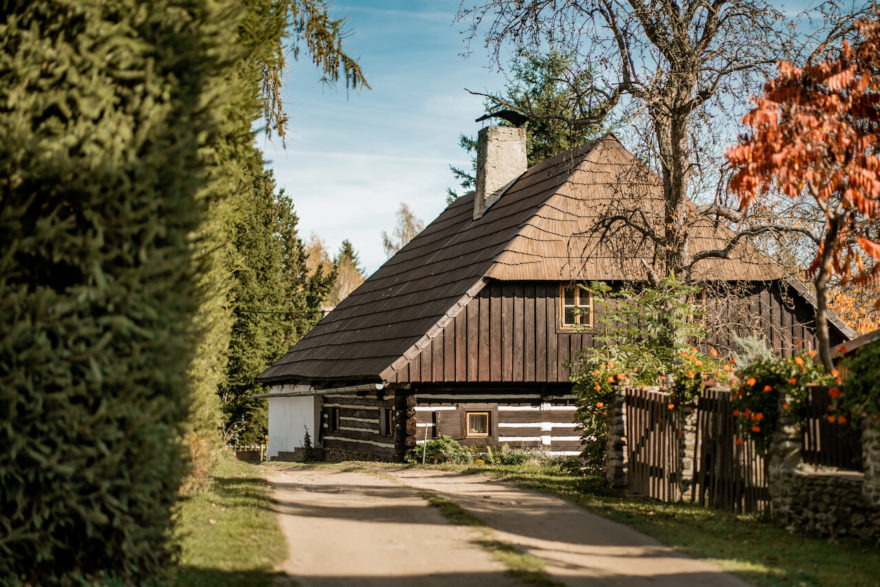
<point x="348" y="528"/>
<point x="354" y="528"/>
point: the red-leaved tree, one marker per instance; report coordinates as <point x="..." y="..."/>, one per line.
<point x="814" y="134"/>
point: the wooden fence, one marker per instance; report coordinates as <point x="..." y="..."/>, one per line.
<point x="829" y="443"/>
<point x="724" y="474"/>
<point x="652" y="447"/>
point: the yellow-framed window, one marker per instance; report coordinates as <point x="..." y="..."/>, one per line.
<point x="478" y="424"/>
<point x="576" y="307"/>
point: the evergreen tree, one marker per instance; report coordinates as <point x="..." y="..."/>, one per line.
<point x="349" y="273"/>
<point x="275" y="300"/>
<point x="102" y="190"/>
<point x="542" y="85"/>
<point x="254" y="91"/>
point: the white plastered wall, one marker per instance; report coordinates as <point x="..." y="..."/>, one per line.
<point x="289" y="417"/>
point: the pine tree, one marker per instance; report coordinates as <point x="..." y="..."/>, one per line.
<point x="274" y="300"/>
<point x="349" y="273"/>
<point x="541" y="85"/>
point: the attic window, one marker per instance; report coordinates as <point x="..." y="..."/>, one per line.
<point x="576" y="306"/>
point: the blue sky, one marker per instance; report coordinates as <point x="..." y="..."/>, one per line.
<point x="351" y="158"/>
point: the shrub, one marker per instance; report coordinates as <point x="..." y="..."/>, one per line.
<point x="107" y="114"/>
<point x="766" y="386"/>
<point x="861" y="392"/>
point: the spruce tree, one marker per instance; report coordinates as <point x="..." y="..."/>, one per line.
<point x="274" y="301"/>
<point x="349" y="273"/>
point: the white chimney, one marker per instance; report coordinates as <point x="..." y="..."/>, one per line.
<point x="501" y="158"/>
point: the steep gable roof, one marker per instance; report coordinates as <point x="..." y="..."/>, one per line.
<point x="538" y="230"/>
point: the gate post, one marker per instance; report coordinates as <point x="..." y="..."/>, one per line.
<point x="615" y="447"/>
<point x="871" y="460"/>
<point x="687" y="446"/>
<point x="785" y="457"/>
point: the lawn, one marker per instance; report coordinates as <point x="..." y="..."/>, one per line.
<point x="229" y="533"/>
<point x="745" y="545"/>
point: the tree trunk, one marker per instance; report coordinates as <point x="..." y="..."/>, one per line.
<point x="821" y="283"/>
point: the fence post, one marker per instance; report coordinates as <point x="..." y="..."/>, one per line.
<point x="687" y="446"/>
<point x="785" y="457"/>
<point x="871" y="460"/>
<point x="615" y="447"/>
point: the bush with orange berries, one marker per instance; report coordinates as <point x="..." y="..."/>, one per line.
<point x="765" y="389"/>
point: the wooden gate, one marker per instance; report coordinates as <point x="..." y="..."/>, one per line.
<point x="652" y="447"/>
<point x="727" y="475"/>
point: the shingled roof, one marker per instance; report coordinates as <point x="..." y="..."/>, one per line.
<point x="538" y="230"/>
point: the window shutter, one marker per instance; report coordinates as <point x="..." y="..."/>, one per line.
<point x="449" y="423"/>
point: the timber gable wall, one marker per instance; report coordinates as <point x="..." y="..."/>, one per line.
<point x="510" y="332"/>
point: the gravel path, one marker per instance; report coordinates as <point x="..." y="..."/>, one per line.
<point x="350" y="528"/>
<point x="355" y="528"/>
<point x="579" y="548"/>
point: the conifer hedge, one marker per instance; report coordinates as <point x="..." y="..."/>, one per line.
<point x="108" y="110"/>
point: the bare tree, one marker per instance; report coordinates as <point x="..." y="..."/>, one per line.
<point x="408" y="226"/>
<point x="681" y="73"/>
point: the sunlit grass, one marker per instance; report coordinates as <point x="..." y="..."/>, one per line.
<point x="229" y="532"/>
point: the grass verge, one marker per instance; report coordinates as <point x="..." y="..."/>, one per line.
<point x="527" y="568"/>
<point x="228" y="531"/>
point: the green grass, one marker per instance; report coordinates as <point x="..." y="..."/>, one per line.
<point x="229" y="533"/>
<point x="528" y="568"/>
<point x="745" y="545"/>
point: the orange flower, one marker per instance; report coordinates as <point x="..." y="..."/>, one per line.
<point x="663" y="378"/>
<point x="835" y="372"/>
<point x="610" y="363"/>
<point x="597" y="387"/>
<point x="604" y="366"/>
<point x="693" y="349"/>
<point x="740" y="441"/>
<point x="784" y="406"/>
<point x="611" y="380"/>
<point x="690" y="374"/>
<point x="735" y="413"/>
<point x="834" y="392"/>
<point x="759" y="416"/>
<point x="768" y="388"/>
<point x="831" y="419"/>
<point x="792" y="381"/>
<point x="620" y="375"/>
<point x="842" y="349"/>
<point x="841" y="420"/>
<point x="635" y="370"/>
<point x="838" y="381"/>
<point x="599" y="404"/>
<point x="756" y="429"/>
<point x="812" y="354"/>
<point x="604" y="414"/>
<point x="748" y="411"/>
<point x="751" y="380"/>
<point x="644" y="387"/>
<point x="595" y="372"/>
<point x="670" y="407"/>
<point x="799" y="360"/>
<point x="713" y="352"/>
<point x="699" y="363"/>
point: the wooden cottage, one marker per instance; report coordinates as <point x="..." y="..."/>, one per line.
<point x="469" y="329"/>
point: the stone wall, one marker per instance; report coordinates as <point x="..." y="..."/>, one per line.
<point x="820" y="500"/>
<point x="826" y="503"/>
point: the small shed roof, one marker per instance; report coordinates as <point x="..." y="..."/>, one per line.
<point x="538" y="230"/>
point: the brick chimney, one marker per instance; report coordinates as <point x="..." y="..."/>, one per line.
<point x="501" y="159"/>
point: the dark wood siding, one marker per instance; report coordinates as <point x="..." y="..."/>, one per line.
<point x="360" y="432"/>
<point x="510" y="333"/>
